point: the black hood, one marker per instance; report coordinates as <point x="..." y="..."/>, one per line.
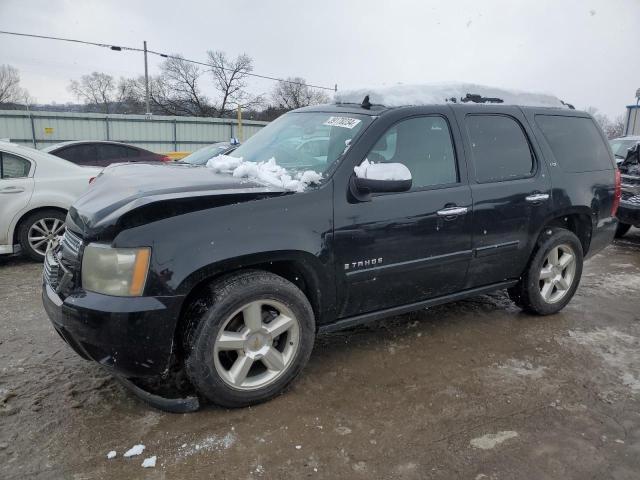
<point x="126" y="195"/>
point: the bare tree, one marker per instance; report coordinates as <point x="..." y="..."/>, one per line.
<point x="293" y="93"/>
<point x="616" y="128"/>
<point x="177" y="91"/>
<point x="229" y="78"/>
<point x="96" y="90"/>
<point x="611" y="129"/>
<point x="10" y="91"/>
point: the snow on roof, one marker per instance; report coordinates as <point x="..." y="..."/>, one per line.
<point x="439" y="93"/>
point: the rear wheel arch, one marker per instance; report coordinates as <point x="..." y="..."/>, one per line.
<point x="579" y="222"/>
<point x="27" y="214"/>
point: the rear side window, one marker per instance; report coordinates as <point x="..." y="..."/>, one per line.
<point x="575" y="142"/>
<point x="113" y="152"/>
<point x="132" y="152"/>
<point x="499" y="148"/>
<point x="83" y="154"/>
<point x="13" y="167"/>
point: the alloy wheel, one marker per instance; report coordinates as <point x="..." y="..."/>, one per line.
<point x="256" y="345"/>
<point x="44" y="233"/>
<point x="558" y="273"/>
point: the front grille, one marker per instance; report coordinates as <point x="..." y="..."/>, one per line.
<point x="71" y="244"/>
<point x="626" y="195"/>
<point x="51" y="271"/>
<point x="62" y="263"/>
<point x="632" y="199"/>
<point x="630" y="180"/>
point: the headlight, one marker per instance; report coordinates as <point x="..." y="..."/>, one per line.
<point x="115" y="271"/>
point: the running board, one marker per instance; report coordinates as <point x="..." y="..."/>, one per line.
<point x="411" y="307"/>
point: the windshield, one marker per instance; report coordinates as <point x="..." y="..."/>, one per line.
<point x="303" y="141"/>
<point x="620" y="147"/>
<point x="204" y="154"/>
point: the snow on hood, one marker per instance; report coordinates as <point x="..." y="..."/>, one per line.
<point x="268" y="172"/>
<point x="438" y="93"/>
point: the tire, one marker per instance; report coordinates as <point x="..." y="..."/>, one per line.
<point x="622" y="229"/>
<point x="223" y="339"/>
<point x="550" y="295"/>
<point x="46" y="225"/>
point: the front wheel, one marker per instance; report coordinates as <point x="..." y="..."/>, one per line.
<point x="39" y="231"/>
<point x="553" y="274"/>
<point x="251" y="341"/>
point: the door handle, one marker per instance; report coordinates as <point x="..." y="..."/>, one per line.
<point x="12" y="190"/>
<point x="537" y="197"/>
<point x="452" y="211"/>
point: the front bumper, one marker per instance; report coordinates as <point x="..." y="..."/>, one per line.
<point x="629" y="213"/>
<point x="131" y="335"/>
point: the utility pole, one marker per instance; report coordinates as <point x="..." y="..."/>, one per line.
<point x="146" y="78"/>
<point x="240" y="136"/>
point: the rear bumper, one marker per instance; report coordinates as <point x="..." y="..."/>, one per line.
<point x="133" y="336"/>
<point x="629" y="213"/>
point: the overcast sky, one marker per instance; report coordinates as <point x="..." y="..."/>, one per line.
<point x="586" y="52"/>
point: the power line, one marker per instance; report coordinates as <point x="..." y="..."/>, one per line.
<point x="164" y="55"/>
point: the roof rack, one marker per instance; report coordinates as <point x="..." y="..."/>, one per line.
<point x="475" y="98"/>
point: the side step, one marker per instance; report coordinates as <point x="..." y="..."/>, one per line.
<point x="411" y="307"/>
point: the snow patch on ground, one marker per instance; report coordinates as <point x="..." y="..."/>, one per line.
<point x="149" y="462"/>
<point x="521" y="368"/>
<point x="615" y="283"/>
<point x="268" y="172"/>
<point x="208" y="444"/>
<point x="491" y="440"/>
<point x="438" y="93"/>
<point x="111" y="454"/>
<point x="619" y="350"/>
<point x="135" y="450"/>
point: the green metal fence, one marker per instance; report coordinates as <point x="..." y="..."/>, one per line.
<point x="155" y="133"/>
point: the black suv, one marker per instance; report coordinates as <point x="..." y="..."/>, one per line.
<point x="223" y="276"/>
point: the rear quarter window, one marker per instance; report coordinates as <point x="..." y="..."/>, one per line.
<point x="576" y="143"/>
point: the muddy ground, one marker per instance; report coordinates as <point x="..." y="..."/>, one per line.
<point x="473" y="390"/>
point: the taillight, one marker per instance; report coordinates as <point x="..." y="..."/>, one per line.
<point x="617" y="195"/>
<point x="166" y="159"/>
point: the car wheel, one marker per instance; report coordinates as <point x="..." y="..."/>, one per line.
<point x="622" y="229"/>
<point x="39" y="231"/>
<point x="553" y="273"/>
<point x="251" y="340"/>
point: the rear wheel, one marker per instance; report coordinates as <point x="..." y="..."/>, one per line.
<point x="622" y="229"/>
<point x="252" y="340"/>
<point x="553" y="274"/>
<point x="39" y="231"/>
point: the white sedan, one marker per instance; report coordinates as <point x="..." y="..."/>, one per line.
<point x="36" y="190"/>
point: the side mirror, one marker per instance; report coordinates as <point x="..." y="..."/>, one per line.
<point x="379" y="178"/>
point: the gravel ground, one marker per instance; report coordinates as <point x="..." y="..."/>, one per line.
<point x="474" y="390"/>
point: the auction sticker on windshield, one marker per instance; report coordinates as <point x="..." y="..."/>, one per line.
<point x="344" y="122"/>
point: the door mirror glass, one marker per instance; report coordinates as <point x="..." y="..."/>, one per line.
<point x="382" y="177"/>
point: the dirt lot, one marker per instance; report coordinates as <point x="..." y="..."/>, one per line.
<point x="472" y="390"/>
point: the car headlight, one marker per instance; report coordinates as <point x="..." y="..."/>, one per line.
<point x="115" y="271"/>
